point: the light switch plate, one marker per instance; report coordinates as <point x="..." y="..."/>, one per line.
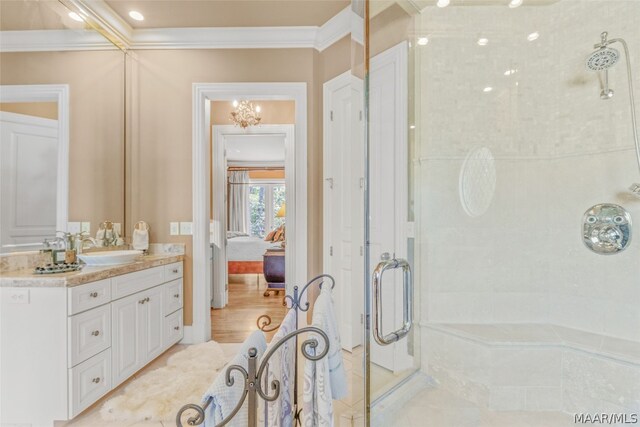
<point x="174" y="228"/>
<point x="186" y="228"/>
<point x="85" y="227"/>
<point x="73" y="227"/>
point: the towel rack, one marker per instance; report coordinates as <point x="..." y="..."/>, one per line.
<point x="253" y="375"/>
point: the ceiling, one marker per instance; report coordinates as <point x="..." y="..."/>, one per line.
<point x="16" y="15"/>
<point x="255" y="149"/>
<point x="224" y="13"/>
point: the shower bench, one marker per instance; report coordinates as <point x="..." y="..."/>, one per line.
<point x="534" y="367"/>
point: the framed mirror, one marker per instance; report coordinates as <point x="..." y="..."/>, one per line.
<point x="63" y="125"/>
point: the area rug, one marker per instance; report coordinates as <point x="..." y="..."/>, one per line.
<point x="158" y="395"/>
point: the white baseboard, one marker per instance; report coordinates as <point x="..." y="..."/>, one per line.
<point x="188" y="335"/>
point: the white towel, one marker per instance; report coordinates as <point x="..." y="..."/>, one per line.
<point x="324" y="380"/>
<point x="281" y="368"/>
<point x="224" y="398"/>
<point x="140" y="239"/>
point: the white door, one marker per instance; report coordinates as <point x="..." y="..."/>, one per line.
<point x="151" y="324"/>
<point x="342" y="203"/>
<point x="125" y="338"/>
<point x="388" y="191"/>
<point x="29" y="169"/>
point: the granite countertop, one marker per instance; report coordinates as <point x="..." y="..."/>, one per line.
<point x="27" y="278"/>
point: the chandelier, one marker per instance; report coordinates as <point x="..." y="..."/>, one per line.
<point x="246" y="114"/>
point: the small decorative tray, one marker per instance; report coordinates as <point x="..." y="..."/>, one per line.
<point x="58" y="268"/>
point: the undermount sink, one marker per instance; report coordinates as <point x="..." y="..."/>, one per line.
<point x="109" y="257"/>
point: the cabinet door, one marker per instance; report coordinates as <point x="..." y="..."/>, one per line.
<point x="125" y="318"/>
<point x="151" y="321"/>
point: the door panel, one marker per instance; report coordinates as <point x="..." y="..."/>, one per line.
<point x="28" y="152"/>
<point x="342" y="202"/>
<point x="125" y="327"/>
<point x="387" y="193"/>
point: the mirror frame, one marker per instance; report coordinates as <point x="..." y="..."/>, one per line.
<point x="50" y="93"/>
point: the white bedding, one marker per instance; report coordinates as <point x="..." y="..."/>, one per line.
<point x="247" y="248"/>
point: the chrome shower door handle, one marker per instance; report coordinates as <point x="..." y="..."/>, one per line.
<point x="407" y="306"/>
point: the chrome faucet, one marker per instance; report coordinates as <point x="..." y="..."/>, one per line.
<point x="80" y="241"/>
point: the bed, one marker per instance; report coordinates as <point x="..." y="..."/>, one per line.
<point x="244" y="253"/>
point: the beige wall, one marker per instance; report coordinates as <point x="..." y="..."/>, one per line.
<point x="272" y="112"/>
<point x="96" y="162"/>
<point x="161" y="156"/>
<point x="46" y="110"/>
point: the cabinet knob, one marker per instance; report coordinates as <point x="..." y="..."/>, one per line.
<point x="93" y="295"/>
<point x="177" y="328"/>
<point x="95" y="333"/>
<point x="176" y="295"/>
<point x="147" y="299"/>
<point x="174" y="271"/>
<point x="96" y="380"/>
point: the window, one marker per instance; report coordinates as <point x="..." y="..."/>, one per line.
<point x="265" y="200"/>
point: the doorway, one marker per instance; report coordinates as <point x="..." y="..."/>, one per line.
<point x="258" y="165"/>
<point x="203" y="231"/>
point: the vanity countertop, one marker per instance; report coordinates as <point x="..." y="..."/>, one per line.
<point x="27" y="278"/>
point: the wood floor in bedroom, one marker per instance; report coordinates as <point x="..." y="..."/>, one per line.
<point x="235" y="322"/>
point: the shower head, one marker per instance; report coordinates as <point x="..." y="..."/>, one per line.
<point x="602" y="59"/>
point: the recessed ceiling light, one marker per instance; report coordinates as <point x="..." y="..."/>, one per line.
<point x="136" y="15"/>
<point x="443" y="3"/>
<point x="482" y="41"/>
<point x="533" y="36"/>
<point x="510" y="72"/>
<point x="422" y="41"/>
<point x="75" y="17"/>
<point x="487" y="89"/>
<point x="515" y="3"/>
<point x="412" y="127"/>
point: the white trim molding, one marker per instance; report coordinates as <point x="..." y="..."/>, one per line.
<point x="52" y="40"/>
<point x="342" y="24"/>
<point x="60" y="95"/>
<point x="203" y="94"/>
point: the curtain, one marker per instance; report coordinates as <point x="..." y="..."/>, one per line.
<point x="238" y="200"/>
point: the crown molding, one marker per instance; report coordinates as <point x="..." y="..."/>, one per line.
<point x="225" y="38"/>
<point x="119" y="35"/>
<point x="52" y="40"/>
<point x="334" y="29"/>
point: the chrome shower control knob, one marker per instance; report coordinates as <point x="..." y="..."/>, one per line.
<point x="606" y="229"/>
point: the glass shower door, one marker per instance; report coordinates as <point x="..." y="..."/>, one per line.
<point x="392" y="339"/>
<point x="499" y="166"/>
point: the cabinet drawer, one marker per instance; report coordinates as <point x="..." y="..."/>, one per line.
<point x="89" y="334"/>
<point x="89" y="381"/>
<point x="85" y="297"/>
<point x="172" y="296"/>
<point x="172" y="271"/>
<point x="128" y="284"/>
<point x="172" y="329"/>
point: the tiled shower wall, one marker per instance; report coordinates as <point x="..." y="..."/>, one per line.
<point x="558" y="150"/>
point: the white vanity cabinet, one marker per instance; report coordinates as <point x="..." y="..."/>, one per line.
<point x="72" y="345"/>
<point x="138" y="320"/>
